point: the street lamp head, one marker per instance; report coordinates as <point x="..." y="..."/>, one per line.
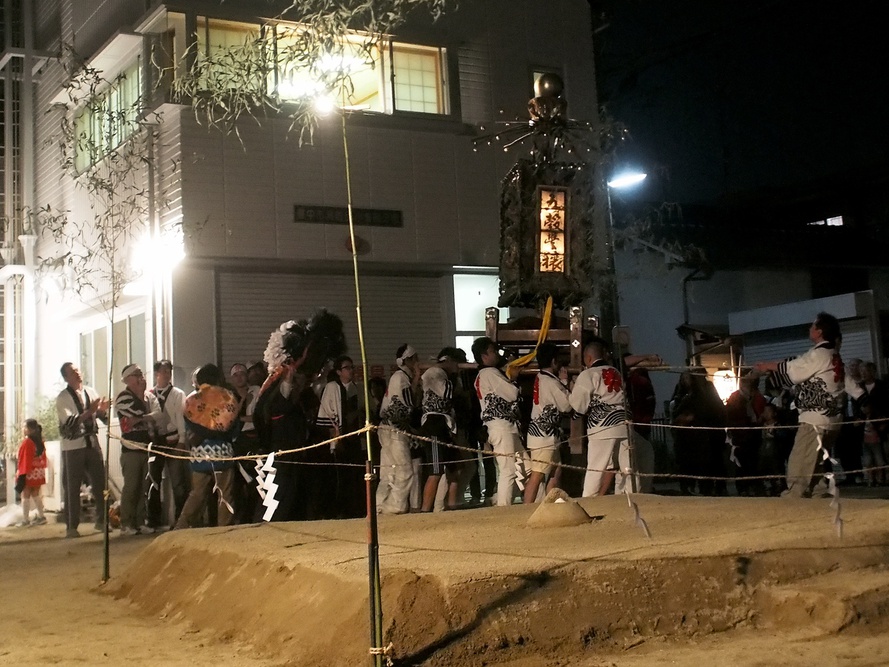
<point x="626" y="179"/>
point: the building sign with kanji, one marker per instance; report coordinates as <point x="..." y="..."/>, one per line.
<point x="339" y="215"/>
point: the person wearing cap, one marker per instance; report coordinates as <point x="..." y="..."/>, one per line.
<point x="137" y="411"/>
<point x="78" y="407"/>
<point x="499" y="398"/>
<point x="396" y="464"/>
<point x="171" y="435"/>
<point x="439" y="425"/>
<point x="550" y="405"/>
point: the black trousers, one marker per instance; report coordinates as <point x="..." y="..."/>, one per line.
<point x="179" y="474"/>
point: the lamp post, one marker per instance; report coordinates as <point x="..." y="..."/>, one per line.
<point x="620" y="181"/>
<point x="626" y="179"/>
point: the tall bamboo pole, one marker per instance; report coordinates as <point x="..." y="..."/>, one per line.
<point x="373" y="545"/>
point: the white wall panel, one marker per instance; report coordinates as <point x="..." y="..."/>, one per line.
<point x="475" y="83"/>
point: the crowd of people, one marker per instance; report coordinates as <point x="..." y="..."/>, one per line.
<point x="442" y="427"/>
<point x="781" y="421"/>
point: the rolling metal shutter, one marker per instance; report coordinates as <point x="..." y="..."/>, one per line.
<point x="791" y="342"/>
<point x="858" y="340"/>
<point x="396" y="310"/>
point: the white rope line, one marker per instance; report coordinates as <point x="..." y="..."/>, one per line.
<point x="247" y="457"/>
<point x="476" y="451"/>
<point x="837" y="424"/>
<point x="635" y="473"/>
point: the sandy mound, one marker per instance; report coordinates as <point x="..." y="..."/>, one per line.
<point x="558" y="510"/>
<point x="478" y="587"/>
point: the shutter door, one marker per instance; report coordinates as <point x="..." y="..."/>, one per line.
<point x="774" y="350"/>
<point x="857" y="340"/>
<point x="396" y="310"/>
<point x="782" y="344"/>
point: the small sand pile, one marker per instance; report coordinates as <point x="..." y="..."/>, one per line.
<point x="557" y="510"/>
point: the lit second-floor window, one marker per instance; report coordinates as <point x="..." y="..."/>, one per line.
<point x="384" y="77"/>
<point x="419" y="81"/>
<point x="108" y="119"/>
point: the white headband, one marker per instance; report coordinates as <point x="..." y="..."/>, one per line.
<point x="407" y="354"/>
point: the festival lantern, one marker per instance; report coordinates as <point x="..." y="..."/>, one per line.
<point x="546" y="207"/>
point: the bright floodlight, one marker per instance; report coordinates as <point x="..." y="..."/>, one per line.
<point x="323" y="104"/>
<point x="627" y="179"/>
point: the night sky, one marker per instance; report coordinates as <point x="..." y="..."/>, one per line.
<point x="727" y="99"/>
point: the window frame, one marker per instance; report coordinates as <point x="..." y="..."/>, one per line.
<point x="198" y="29"/>
<point x="106" y="131"/>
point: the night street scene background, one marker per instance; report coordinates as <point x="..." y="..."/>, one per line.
<point x="603" y="424"/>
<point x="729" y="102"/>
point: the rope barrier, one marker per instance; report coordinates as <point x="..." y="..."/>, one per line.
<point x="475" y="450"/>
<point x="247" y="457"/>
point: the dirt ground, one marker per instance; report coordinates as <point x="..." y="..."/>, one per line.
<point x="748" y="582"/>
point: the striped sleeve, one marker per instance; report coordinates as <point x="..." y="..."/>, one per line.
<point x="125" y="406"/>
<point x="328" y="411"/>
<point x="69" y="427"/>
<point x="407" y="396"/>
<point x="797" y="370"/>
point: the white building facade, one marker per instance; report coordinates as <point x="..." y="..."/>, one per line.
<point x="257" y="218"/>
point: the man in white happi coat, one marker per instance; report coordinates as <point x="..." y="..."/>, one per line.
<point x="550" y="404"/>
<point x="818" y="377"/>
<point x="598" y="396"/>
<point x="499" y="398"/>
<point x="439" y="426"/>
<point x="396" y="463"/>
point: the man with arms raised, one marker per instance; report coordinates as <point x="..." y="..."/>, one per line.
<point x="78" y="408"/>
<point x="819" y="379"/>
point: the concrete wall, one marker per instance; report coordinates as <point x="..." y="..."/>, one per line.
<point x="238" y="200"/>
<point x="194" y="321"/>
<point x="651" y="304"/>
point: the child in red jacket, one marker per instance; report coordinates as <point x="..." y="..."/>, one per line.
<point x="31" y="474"/>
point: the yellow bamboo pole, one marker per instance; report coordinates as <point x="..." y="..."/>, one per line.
<point x="373" y="546"/>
